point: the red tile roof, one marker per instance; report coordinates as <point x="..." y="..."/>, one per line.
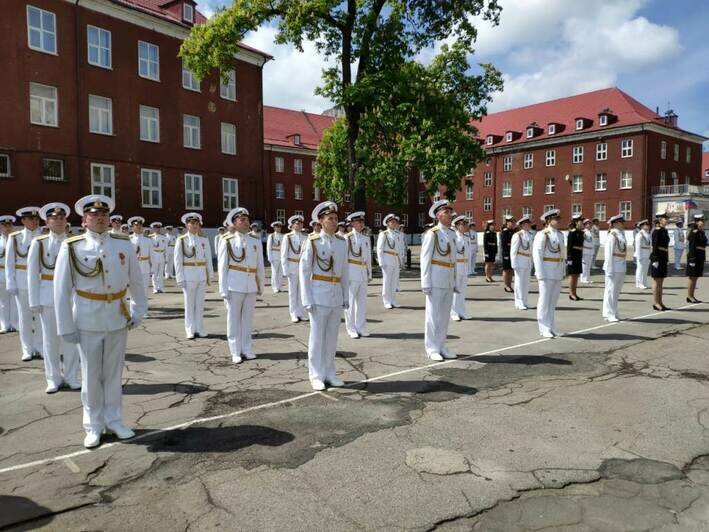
<point x="565" y="111"/>
<point x="280" y="124"/>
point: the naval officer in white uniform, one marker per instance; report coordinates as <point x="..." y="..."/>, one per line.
<point x="273" y="252"/>
<point x="8" y="306"/>
<point x="359" y="259"/>
<point x="614" y="265"/>
<point x="324" y="280"/>
<point x="143" y="248"/>
<point x="549" y="257"/>
<point x="438" y="278"/>
<point x="462" y="267"/>
<point x="94" y="273"/>
<point x="40" y="283"/>
<point x="158" y="257"/>
<point x="641" y="252"/>
<point x="290" y="259"/>
<point x="170" y="253"/>
<point x="193" y="273"/>
<point x="521" y="259"/>
<point x="389" y="259"/>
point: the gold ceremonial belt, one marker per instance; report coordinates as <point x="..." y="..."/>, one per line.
<point x="293" y="260"/>
<point x="552" y="259"/>
<point x="276" y="248"/>
<point x="621" y="255"/>
<point x="143" y="258"/>
<point x="20" y="266"/>
<point x="159" y="250"/>
<point x="662" y="249"/>
<point x="462" y="261"/>
<point x="198" y="263"/>
<point x="47" y="277"/>
<point x="523" y="253"/>
<point x="243" y="269"/>
<point x="391" y="253"/>
<point x="701" y="248"/>
<point x="326" y="278"/>
<point x="441" y="263"/>
<point x="586" y="247"/>
<point x="576" y="247"/>
<point x="360" y="262"/>
<point x="101" y="297"/>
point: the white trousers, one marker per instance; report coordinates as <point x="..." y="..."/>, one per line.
<point x="158" y="273"/>
<point x="614" y="283"/>
<point x="102" y="359"/>
<point x="194" y="293"/>
<point x="240" y="314"/>
<point x="595" y="254"/>
<point x="295" y="305"/>
<point x="356" y="314"/>
<point x="586" y="262"/>
<point x="641" y="269"/>
<point x="322" y="342"/>
<point x="52" y="344"/>
<point x="29" y="326"/>
<point x="8" y="309"/>
<point x="458" y="307"/>
<point x="169" y="263"/>
<point x="549" y="290"/>
<point x="521" y="287"/>
<point x="678" y="258"/>
<point x="146" y="283"/>
<point x="390" y="284"/>
<point x="276" y="276"/>
<point x="438" y="309"/>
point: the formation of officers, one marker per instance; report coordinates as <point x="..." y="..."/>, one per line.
<point x="74" y="298"/>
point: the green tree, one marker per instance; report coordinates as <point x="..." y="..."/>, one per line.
<point x="370" y="41"/>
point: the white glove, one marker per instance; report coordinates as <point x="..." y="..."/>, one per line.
<point x="71" y="338"/>
<point x="427" y="291"/>
<point x="182" y="284"/>
<point x="133" y="323"/>
<point x="224" y="296"/>
<point x="691" y="264"/>
<point x="456" y="291"/>
<point x="310" y="308"/>
<point x="655" y="264"/>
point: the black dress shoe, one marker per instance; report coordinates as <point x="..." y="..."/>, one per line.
<point x="657" y="307"/>
<point x="665" y="308"/>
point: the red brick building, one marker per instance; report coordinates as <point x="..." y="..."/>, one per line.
<point x="94" y="99"/>
<point x="705" y="167"/>
<point x="599" y="153"/>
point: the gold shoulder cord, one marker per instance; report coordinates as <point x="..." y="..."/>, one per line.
<point x="522" y="245"/>
<point x="352" y="251"/>
<point x="184" y="251"/>
<point x="290" y="245"/>
<point x="41" y="257"/>
<point x="231" y="252"/>
<point x="621" y="247"/>
<point x="17" y="249"/>
<point x="438" y="247"/>
<point x="80" y="268"/>
<point x="391" y="245"/>
<point x="322" y="264"/>
<point x="548" y="245"/>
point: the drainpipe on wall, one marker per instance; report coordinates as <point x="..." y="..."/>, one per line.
<point x="79" y="150"/>
<point x="647" y="201"/>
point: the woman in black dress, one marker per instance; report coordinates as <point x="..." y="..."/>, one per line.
<point x="574" y="255"/>
<point x="490" y="248"/>
<point x="696" y="255"/>
<point x="658" y="259"/>
<point x="505" y="250"/>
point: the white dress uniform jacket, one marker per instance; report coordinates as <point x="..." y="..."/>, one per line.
<point x="143" y="249"/>
<point x="438" y="276"/>
<point x="193" y="272"/>
<point x="462" y="266"/>
<point x="273" y="252"/>
<point x="158" y="257"/>
<point x="170" y="256"/>
<point x="587" y="256"/>
<point x="40" y="283"/>
<point x="8" y="306"/>
<point x="614" y="265"/>
<point x="641" y="252"/>
<point x="549" y="258"/>
<point x="290" y="259"/>
<point x="389" y="259"/>
<point x="521" y="259"/>
<point x="473" y="246"/>
<point x="359" y="259"/>
<point x="324" y="281"/>
<point x="679" y="238"/>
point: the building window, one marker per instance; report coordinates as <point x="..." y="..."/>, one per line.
<point x="191" y="132"/>
<point x="527" y="187"/>
<point x="601" y="151"/>
<point x="189" y="82"/>
<point x="530" y="132"/>
<point x="43" y="105"/>
<point x="228" y="138"/>
<point x="507" y="211"/>
<point x="100" y="115"/>
<point x="437" y="195"/>
<point x="663" y="150"/>
<point x="579" y="124"/>
<point x="281" y="215"/>
<point x="228" y="90"/>
<point x="298" y="212"/>
<point x="298" y="192"/>
<point x="230" y="193"/>
<point x="377" y="219"/>
<point x="151" y="187"/>
<point x="506" y="189"/>
<point x="41" y="30"/>
<point x="508" y="137"/>
<point x="187" y="13"/>
<point x="99" y="43"/>
<point x="487" y="180"/>
<point x="487" y="204"/>
<point x="316" y="194"/>
<point x="551" y="158"/>
<point x="103" y="179"/>
<point x="663" y="178"/>
<point x="688" y="155"/>
<point x="298" y="166"/>
<point x="507" y="164"/>
<point x="279" y="164"/>
<point x="421" y="219"/>
<point x="405" y="220"/>
<point x="676" y="153"/>
<point x="348" y="197"/>
<point x="527" y="211"/>
<point x="551" y="130"/>
<point x="489" y="140"/>
<point x="280" y="191"/>
<point x="422" y="178"/>
<point x="626" y="179"/>
<point x="578" y="154"/>
<point x="626" y="210"/>
<point x="148" y="61"/>
<point x="601" y="181"/>
<point x="626" y="148"/>
<point x="193" y="191"/>
<point x="549" y="185"/>
<point x="528" y="161"/>
<point x="296" y="140"/>
<point x="468" y="215"/>
<point x="577" y="183"/>
<point x="599" y="211"/>
<point x="549" y="207"/>
<point x="149" y="123"/>
<point x="575" y="209"/>
<point x="53" y="170"/>
<point x="603" y="120"/>
<point x="422" y="198"/>
<point x="675" y="179"/>
<point x="468" y="193"/>
<point x="4" y="165"/>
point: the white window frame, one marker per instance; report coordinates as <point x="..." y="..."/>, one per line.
<point x="280" y="191"/>
<point x="377" y="219"/>
<point x="227" y="90"/>
<point x="43" y="102"/>
<point x="188" y="8"/>
<point x="59" y="179"/>
<point x="551" y="129"/>
<point x="191" y="132"/>
<point x="149" y="124"/>
<point x="576" y="208"/>
<point x="298" y="212"/>
<point x="507" y="164"/>
<point x="663" y="150"/>
<point x="6" y="157"/>
<point x="626" y="148"/>
<point x="421" y="219"/>
<point x="528" y="187"/>
<point x="194" y="192"/>
<point x="189" y="82"/>
<point x="507" y="189"/>
<point x="530" y="132"/>
<point x="688" y="155"/>
<point x="603" y="120"/>
<point x="601" y="177"/>
<point x="577" y="154"/>
<point x="148" y="62"/>
<point x="298" y="191"/>
<point x="422" y="198"/>
<point x="437" y="196"/>
<point x="296" y="140"/>
<point x="663" y="178"/>
<point x="107" y="188"/>
<point x="526" y="211"/>
<point x="509" y="137"/>
<point x="279" y="164"/>
<point x="549" y="185"/>
<point x="230" y="198"/>
<point x="316" y="193"/>
<point x="579" y="124"/>
<point x="487" y="180"/>
<point x="281" y="215"/>
<point x="228" y="135"/>
<point x="487" y="204"/>
<point x="577" y="183"/>
<point x="676" y="152"/>
<point x="602" y="151"/>
<point x="100" y="115"/>
<point x="550" y="158"/>
<point x="298" y="166"/>
<point x="528" y="161"/>
<point x="469" y="191"/>
<point x="150" y="187"/>
<point x="99" y="49"/>
<point x="626" y="179"/>
<point x="548" y="207"/>
<point x="489" y="140"/>
<point x="507" y="211"/>
<point x="44" y="33"/>
<point x="625" y="208"/>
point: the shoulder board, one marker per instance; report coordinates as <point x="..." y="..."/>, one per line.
<point x="185" y="236"/>
<point x="435" y="228"/>
<point x="119" y="236"/>
<point x="339" y="236"/>
<point x="349" y="235"/>
<point x="254" y="236"/>
<point x="15" y="233"/>
<point x="505" y="228"/>
<point x="41" y="237"/>
<point x="695" y="230"/>
<point x="76" y="238"/>
<point x="546" y="231"/>
<point x="314" y="236"/>
<point x="227" y="236"/>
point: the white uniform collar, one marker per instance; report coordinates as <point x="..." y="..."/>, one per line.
<point x="97" y="236"/>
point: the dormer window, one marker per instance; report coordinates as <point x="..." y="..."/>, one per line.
<point x="551" y="130"/>
<point x="508" y="136"/>
<point x="188" y="13"/>
<point x="579" y="124"/>
<point x="603" y="120"/>
<point x="530" y="132"/>
<point x="489" y="140"/>
<point x="296" y="140"/>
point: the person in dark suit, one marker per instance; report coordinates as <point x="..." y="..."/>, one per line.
<point x="659" y="256"/>
<point x="490" y="249"/>
<point x="696" y="255"/>
<point x="505" y="244"/>
<point x="574" y="255"/>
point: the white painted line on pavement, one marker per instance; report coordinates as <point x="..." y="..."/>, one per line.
<point x="263" y="406"/>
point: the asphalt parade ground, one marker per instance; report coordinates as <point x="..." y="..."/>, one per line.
<point x="604" y="428"/>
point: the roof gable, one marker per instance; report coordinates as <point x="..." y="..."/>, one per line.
<point x="280" y="125"/>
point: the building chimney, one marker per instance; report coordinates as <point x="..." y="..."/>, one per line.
<point x="671" y="118"/>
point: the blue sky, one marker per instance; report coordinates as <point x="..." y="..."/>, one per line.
<point x="656" y="50"/>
